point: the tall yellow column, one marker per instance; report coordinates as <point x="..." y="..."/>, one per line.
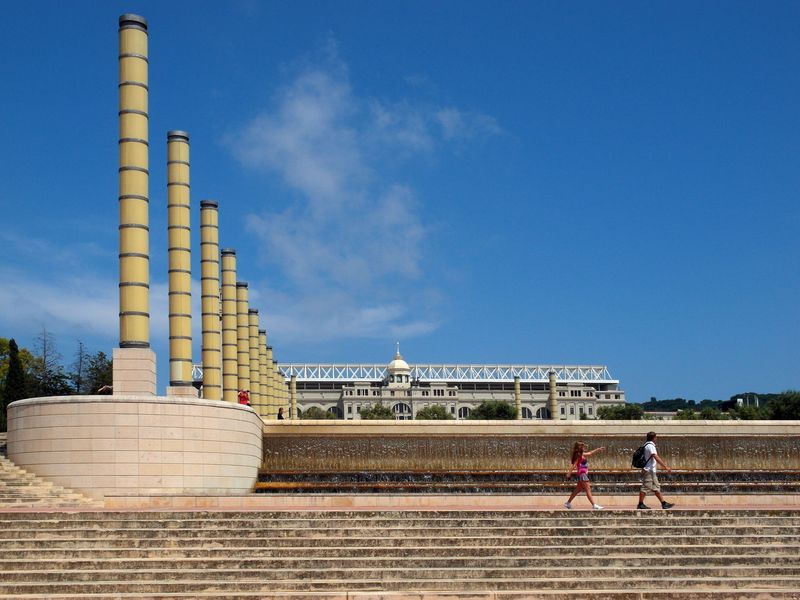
<point x="134" y="362"/>
<point x="255" y="361"/>
<point x="243" y="335"/>
<point x="272" y="407"/>
<point x="134" y="233"/>
<point x="518" y="397"/>
<point x="180" y="265"/>
<point x="230" y="343"/>
<point x="552" y="401"/>
<point x="293" y="396"/>
<point x="210" y="300"/>
<point x="263" y="373"/>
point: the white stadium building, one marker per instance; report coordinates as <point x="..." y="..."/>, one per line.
<point x="344" y="389"/>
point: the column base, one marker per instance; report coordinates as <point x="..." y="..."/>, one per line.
<point x="183" y="391"/>
<point x="134" y="371"/>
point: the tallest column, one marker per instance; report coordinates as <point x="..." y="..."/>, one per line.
<point x="134" y="362"/>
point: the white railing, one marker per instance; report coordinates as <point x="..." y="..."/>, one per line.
<point x="465" y="373"/>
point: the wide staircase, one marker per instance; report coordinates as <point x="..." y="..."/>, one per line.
<point x="21" y="489"/>
<point x="559" y="554"/>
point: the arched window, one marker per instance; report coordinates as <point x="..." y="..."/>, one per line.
<point x="543" y="413"/>
<point x="336" y="411"/>
<point x="463" y="412"/>
<point x="527" y="413"/>
<point x="401" y="411"/>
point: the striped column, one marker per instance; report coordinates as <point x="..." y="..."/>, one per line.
<point x="180" y="260"/>
<point x="262" y="370"/>
<point x="293" y="396"/>
<point x="518" y="397"/>
<point x="230" y="344"/>
<point x="552" y="398"/>
<point x="243" y="335"/>
<point x="272" y="410"/>
<point x="210" y="300"/>
<point x="134" y="232"/>
<point x="255" y="361"/>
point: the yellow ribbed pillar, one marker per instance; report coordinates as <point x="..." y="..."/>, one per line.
<point x="255" y="361"/>
<point x="230" y="344"/>
<point x="272" y="410"/>
<point x="552" y="399"/>
<point x="518" y="397"/>
<point x="243" y="335"/>
<point x="180" y="264"/>
<point x="262" y="371"/>
<point x="293" y="396"/>
<point x="134" y="233"/>
<point x="210" y="300"/>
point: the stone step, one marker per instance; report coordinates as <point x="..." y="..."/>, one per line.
<point x="558" y="552"/>
<point x="557" y="519"/>
<point x="417" y="561"/>
<point x="258" y="583"/>
<point x="19" y="488"/>
<point x="360" y="532"/>
<point x="328" y="542"/>
<point x="609" y="594"/>
<point x="323" y="578"/>
<point x="399" y="516"/>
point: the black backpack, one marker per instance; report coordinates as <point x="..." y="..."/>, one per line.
<point x="638" y="461"/>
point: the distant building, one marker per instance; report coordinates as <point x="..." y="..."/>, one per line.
<point x="344" y="389"/>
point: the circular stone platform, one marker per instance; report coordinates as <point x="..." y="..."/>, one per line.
<point x="102" y="445"/>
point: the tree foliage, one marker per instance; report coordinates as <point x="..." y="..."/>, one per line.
<point x="494" y="410"/>
<point x="14" y="385"/>
<point x="437" y="412"/>
<point x="786" y="407"/>
<point x="316" y="413"/>
<point x="621" y="412"/>
<point x="376" y="412"/>
<point x="99" y="373"/>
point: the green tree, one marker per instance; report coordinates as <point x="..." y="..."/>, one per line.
<point x="748" y="413"/>
<point x="25" y="358"/>
<point x="316" y="413"/>
<point x="786" y="407"/>
<point x="433" y="413"/>
<point x="686" y="414"/>
<point x="376" y="412"/>
<point x="14" y="386"/>
<point x="494" y="410"/>
<point x="99" y="373"/>
<point x="621" y="412"/>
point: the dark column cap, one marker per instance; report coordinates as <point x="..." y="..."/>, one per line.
<point x="210" y="204"/>
<point x="131" y="20"/>
<point x="177" y="134"/>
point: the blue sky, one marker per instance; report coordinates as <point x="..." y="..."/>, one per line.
<point x="516" y="182"/>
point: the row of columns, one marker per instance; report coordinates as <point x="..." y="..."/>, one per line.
<point x="235" y="356"/>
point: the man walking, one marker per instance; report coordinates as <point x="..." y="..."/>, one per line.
<point x="649" y="477"/>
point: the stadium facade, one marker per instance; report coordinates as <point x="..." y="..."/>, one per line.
<point x="345" y="389"/>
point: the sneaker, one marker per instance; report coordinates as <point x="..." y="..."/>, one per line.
<point x="666" y="505"/>
<point x="597" y="507"/>
<point x="642" y="506"/>
<point x="568" y="505"/>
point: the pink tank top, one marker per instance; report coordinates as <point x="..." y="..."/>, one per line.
<point x="583" y="466"/>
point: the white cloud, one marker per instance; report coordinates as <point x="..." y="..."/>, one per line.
<point x="352" y="248"/>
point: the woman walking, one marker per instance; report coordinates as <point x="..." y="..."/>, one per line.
<point x="580" y="465"/>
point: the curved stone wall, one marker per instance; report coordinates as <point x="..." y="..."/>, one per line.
<point x="384" y="446"/>
<point x="103" y="445"/>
